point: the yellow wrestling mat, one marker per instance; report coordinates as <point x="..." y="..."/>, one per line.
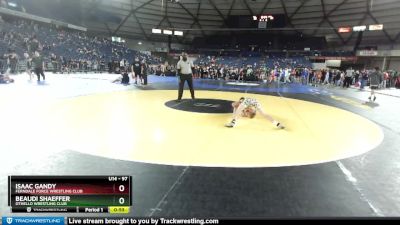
<point x="137" y="126"/>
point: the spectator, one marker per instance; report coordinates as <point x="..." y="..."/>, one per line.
<point x="364" y="79"/>
<point x="38" y="65"/>
<point x="376" y="79"/>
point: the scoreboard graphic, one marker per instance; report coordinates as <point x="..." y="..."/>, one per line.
<point x="73" y="194"/>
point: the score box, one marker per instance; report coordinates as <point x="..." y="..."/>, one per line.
<point x="68" y="192"/>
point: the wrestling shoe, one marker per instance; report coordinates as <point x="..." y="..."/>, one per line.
<point x="231" y="124"/>
<point x="280" y="126"/>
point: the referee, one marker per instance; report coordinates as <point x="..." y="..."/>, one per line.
<point x="184" y="68"/>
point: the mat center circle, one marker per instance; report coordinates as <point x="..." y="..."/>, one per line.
<point x="204" y="105"/>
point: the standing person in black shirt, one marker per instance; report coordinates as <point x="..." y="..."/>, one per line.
<point x="39" y="65"/>
<point x="375" y="78"/>
<point x="144" y="72"/>
<point x="137" y="69"/>
<point x="110" y="67"/>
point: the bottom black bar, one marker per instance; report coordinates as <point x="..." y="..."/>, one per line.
<point x="213" y="221"/>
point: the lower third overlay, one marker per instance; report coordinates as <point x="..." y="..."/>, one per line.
<point x="102" y="221"/>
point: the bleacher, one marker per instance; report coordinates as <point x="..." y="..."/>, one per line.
<point x="269" y="61"/>
<point x="70" y="45"/>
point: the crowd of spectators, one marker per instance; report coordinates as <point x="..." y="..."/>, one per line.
<point x="278" y="67"/>
<point x="246" y="68"/>
<point x="64" y="50"/>
<point x="352" y="77"/>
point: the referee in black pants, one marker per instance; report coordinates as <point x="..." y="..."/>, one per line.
<point x="184" y="68"/>
<point x="348" y="78"/>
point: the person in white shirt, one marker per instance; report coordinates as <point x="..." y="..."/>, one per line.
<point x="287" y="76"/>
<point x="249" y="71"/>
<point x="348" y="76"/>
<point x="162" y="70"/>
<point x="184" y="68"/>
<point x="326" y="81"/>
<point x="122" y="65"/>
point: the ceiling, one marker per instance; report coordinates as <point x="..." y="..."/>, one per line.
<point x="206" y="17"/>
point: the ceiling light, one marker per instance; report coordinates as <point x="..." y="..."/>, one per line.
<point x="156" y="31"/>
<point x="169" y="32"/>
<point x="376" y="27"/>
<point x="12" y="4"/>
<point x="178" y="33"/>
<point x="359" y="28"/>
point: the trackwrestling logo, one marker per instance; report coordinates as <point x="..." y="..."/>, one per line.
<point x="33" y="220"/>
